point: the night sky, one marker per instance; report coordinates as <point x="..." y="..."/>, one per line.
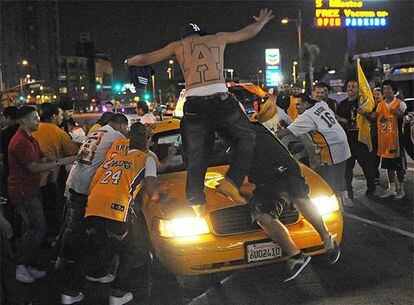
<point x="124" y="28"/>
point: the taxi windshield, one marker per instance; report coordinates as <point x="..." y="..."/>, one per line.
<point x="162" y="141"/>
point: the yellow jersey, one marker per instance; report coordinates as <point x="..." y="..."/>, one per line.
<point x="388" y="132"/>
<point x="120" y="146"/>
<point x="115" y="185"/>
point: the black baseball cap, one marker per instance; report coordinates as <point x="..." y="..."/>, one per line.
<point x="190" y="29"/>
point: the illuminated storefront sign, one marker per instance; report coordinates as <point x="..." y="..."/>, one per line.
<point x="273" y="73"/>
<point x="348" y="14"/>
<point x="273" y="77"/>
<point x="272" y="57"/>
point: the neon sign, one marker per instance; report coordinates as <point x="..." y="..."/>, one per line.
<point x="348" y="14"/>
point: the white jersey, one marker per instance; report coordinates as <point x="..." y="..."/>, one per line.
<point x="92" y="155"/>
<point x="275" y="123"/>
<point x="328" y="135"/>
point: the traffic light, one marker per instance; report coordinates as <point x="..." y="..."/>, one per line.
<point x="98" y="86"/>
<point x="147" y="96"/>
<point x="117" y="87"/>
<point x="21" y="98"/>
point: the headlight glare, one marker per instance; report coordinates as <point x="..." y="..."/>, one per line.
<point x="182" y="227"/>
<point x="326" y="204"/>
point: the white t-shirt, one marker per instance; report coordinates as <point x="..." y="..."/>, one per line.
<point x="93" y="152"/>
<point x="274" y="123"/>
<point x="402" y="106"/>
<point x="320" y="118"/>
<point x="148" y="118"/>
<point x="207" y="90"/>
<point x="150" y="167"/>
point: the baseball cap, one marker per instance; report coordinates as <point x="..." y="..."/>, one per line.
<point x="190" y="29"/>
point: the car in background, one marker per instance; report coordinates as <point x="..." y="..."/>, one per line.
<point x="130" y="113"/>
<point x="192" y="248"/>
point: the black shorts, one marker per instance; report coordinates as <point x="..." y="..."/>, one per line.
<point x="396" y="164"/>
<point x="278" y="193"/>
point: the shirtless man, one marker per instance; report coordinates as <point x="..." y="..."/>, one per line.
<point x="208" y="106"/>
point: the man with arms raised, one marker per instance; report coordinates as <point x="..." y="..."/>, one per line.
<point x="209" y="107"/>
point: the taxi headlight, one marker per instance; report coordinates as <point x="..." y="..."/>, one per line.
<point x="182" y="227"/>
<point x="326" y="204"/>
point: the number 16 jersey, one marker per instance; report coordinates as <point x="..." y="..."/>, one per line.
<point x="327" y="134"/>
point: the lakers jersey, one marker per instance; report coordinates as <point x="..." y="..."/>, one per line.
<point x="388" y="130"/>
<point x="119" y="146"/>
<point x="115" y="186"/>
<point x="328" y="136"/>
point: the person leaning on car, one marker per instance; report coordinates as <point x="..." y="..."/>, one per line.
<point x="329" y="138"/>
<point x="110" y="218"/>
<point x="279" y="183"/>
<point x="208" y="105"/>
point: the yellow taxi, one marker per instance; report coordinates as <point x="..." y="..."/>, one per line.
<point x="226" y="238"/>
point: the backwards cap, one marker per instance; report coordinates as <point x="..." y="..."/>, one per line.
<point x="189" y="29"/>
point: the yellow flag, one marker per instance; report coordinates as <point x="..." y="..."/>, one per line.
<point x="366" y="104"/>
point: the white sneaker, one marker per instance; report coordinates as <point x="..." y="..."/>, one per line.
<point x="23" y="275"/>
<point x="388" y="193"/>
<point x="346" y="201"/>
<point x="105" y="279"/>
<point x="37" y="274"/>
<point x="400" y="194"/>
<point x="71" y="299"/>
<point x="127" y="297"/>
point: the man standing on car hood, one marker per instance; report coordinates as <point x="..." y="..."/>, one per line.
<point x="209" y="107"/>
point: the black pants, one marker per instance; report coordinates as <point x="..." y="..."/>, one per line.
<point x="360" y="153"/>
<point x="49" y="201"/>
<point x="72" y="233"/>
<point x="7" y="272"/>
<point x="105" y="238"/>
<point x="202" y="117"/>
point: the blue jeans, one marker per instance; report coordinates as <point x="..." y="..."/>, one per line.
<point x="203" y="116"/>
<point x="31" y="211"/>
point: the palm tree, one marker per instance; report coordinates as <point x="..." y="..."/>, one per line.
<point x="310" y="54"/>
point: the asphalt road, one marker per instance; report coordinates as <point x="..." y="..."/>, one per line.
<point x="376" y="267"/>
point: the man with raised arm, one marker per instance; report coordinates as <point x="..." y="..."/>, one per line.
<point x="208" y="106"/>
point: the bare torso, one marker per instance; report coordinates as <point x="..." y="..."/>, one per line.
<point x="201" y="60"/>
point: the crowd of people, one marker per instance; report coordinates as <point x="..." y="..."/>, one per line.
<point x="51" y="167"/>
<point x="337" y="132"/>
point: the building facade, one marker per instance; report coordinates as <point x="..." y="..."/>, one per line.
<point x="29" y="42"/>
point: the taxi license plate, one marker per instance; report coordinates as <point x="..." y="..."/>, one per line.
<point x="261" y="251"/>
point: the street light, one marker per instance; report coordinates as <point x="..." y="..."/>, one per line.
<point x="25" y="62"/>
<point x="169" y="73"/>
<point x="171" y="61"/>
<point x="295" y="72"/>
<point x="259" y="73"/>
<point x="298" y="23"/>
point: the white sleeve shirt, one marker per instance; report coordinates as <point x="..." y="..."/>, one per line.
<point x="320" y="118"/>
<point x="148" y="118"/>
<point x="150" y="167"/>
